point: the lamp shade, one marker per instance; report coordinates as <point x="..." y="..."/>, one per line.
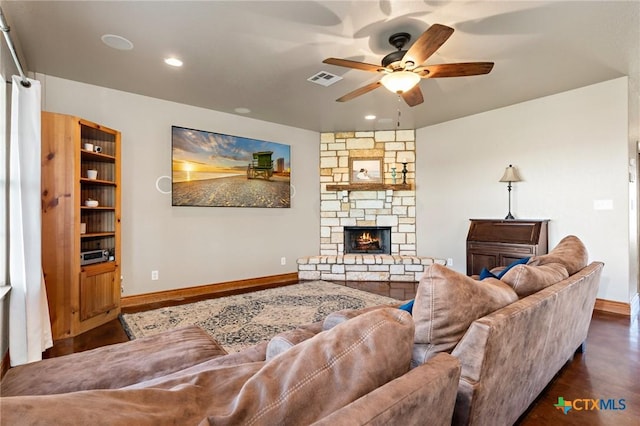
<point x="400" y="81"/>
<point x="510" y="175"/>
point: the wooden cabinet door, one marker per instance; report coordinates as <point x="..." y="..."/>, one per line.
<point x="477" y="261"/>
<point x="508" y="258"/>
<point x="99" y="291"/>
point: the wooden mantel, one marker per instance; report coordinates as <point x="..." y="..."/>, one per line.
<point x="370" y="187"/>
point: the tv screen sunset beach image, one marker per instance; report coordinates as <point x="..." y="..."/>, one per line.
<point x="216" y="170"/>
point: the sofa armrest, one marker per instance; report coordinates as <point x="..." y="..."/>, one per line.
<point x="529" y="340"/>
<point x="426" y="392"/>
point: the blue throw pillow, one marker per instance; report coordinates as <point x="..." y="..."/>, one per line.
<point x="407" y="306"/>
<point x="485" y="273"/>
<point x="514" y="263"/>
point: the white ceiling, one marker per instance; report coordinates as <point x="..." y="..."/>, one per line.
<point x="259" y="54"/>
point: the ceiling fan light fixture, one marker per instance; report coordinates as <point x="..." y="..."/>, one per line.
<point x="400" y="81"/>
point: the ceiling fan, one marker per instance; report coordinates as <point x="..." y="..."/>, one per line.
<point x="403" y="69"/>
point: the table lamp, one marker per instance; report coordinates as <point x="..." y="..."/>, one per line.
<point x="510" y="175"/>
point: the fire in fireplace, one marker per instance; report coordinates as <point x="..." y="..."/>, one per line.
<point x="367" y="239"/>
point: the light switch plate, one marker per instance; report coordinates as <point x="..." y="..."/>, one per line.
<point x="603" y="204"/>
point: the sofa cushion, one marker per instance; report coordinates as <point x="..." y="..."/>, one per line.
<point x="447" y="302"/>
<point x="304" y="384"/>
<point x="569" y="252"/>
<point x="338" y="317"/>
<point x="284" y="341"/>
<point x="376" y="345"/>
<point x="114" y="366"/>
<point x="527" y="279"/>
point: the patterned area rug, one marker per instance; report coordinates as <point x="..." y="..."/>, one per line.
<point x="243" y="320"/>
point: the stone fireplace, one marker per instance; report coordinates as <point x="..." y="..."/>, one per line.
<point x="367" y="239"/>
<point x="390" y="204"/>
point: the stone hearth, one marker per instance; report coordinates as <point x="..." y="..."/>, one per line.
<point x="364" y="267"/>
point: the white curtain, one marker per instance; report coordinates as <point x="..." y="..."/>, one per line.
<point x="29" y="326"/>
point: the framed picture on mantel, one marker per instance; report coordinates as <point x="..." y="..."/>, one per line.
<point x="365" y="170"/>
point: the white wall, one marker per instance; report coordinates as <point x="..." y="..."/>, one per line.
<point x="192" y="246"/>
<point x="570" y="148"/>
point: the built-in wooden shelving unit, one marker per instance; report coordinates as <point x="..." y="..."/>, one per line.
<point x="82" y="293"/>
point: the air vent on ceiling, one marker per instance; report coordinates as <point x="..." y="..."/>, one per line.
<point x="324" y="78"/>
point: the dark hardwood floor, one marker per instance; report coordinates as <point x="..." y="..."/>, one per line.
<point x="608" y="369"/>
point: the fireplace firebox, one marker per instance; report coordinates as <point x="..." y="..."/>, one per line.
<point x="367" y="239"/>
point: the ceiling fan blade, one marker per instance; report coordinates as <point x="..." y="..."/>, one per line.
<point x="427" y="43"/>
<point x="456" y="70"/>
<point x="414" y="96"/>
<point x="354" y="64"/>
<point x="360" y="91"/>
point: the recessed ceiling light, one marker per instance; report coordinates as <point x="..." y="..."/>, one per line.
<point x="370" y="117"/>
<point x="242" y="110"/>
<point x="116" y="42"/>
<point x="174" y="62"/>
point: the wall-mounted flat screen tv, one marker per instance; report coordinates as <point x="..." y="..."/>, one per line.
<point x="216" y="170"/>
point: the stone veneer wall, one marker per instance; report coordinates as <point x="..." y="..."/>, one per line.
<point x="396" y="209"/>
<point x="357" y="207"/>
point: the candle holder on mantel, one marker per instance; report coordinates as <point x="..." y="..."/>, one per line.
<point x="404" y="172"/>
<point x="393" y="174"/>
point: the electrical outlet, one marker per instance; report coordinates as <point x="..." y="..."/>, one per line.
<point x="450" y="261"/>
<point x="154" y="275"/>
<point x="283" y="260"/>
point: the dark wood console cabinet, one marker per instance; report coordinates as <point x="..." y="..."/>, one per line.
<point x="492" y="243"/>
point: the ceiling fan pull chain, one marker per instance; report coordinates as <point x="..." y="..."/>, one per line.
<point x="399" y="102"/>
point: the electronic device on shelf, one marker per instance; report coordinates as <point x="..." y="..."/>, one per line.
<point x="93" y="256"/>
